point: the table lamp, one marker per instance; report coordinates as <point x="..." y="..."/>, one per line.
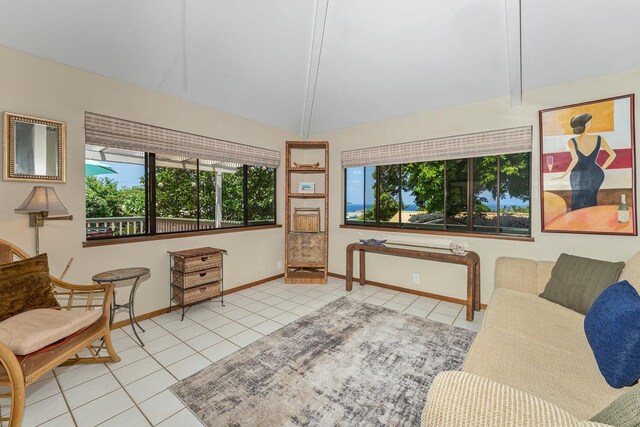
<point x="39" y="204"/>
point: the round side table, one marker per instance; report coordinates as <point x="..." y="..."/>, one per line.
<point x="119" y="275"/>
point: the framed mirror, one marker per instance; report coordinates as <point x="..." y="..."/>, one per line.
<point x="33" y="149"/>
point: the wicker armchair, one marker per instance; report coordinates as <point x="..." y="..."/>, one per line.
<point x="18" y="372"/>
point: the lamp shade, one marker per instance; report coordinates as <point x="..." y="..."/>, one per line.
<point x="42" y="199"/>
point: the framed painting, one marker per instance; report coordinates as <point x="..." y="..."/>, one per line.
<point x="587" y="168"/>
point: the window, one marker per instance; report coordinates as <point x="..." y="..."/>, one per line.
<point x="131" y="193"/>
<point x="488" y="194"/>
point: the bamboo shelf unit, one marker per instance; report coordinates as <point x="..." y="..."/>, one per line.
<point x="306" y="252"/>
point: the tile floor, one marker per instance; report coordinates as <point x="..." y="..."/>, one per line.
<point x="134" y="392"/>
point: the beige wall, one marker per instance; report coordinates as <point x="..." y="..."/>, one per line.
<point x="30" y="85"/>
<point x="481" y="116"/>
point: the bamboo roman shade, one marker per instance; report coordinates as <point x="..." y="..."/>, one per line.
<point x="493" y="143"/>
<point x="105" y="131"/>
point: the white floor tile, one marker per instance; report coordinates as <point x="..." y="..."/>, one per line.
<point x="302" y="299"/>
<point x="42" y="390"/>
<point x="302" y="310"/>
<point x="102" y="409"/>
<point x="375" y="301"/>
<point x="442" y="318"/>
<point x="219" y="350"/>
<point x="136" y="370"/>
<point x="178" y="324"/>
<point x="150" y="385"/>
<point x="205" y="340"/>
<point x="237" y="313"/>
<point x="174" y="354"/>
<point x="44" y="410"/>
<point x="64" y="420"/>
<point x="168" y="317"/>
<point x="271" y="312"/>
<point x="317" y="303"/>
<point x="184" y="418"/>
<point x="83" y="374"/>
<point x="271" y="300"/>
<point x="418" y="311"/>
<point x="124" y="343"/>
<point x="151" y="334"/>
<point x="245" y="338"/>
<point x="424" y="303"/>
<point x="129" y="418"/>
<point x="256" y="306"/>
<point x="162" y="343"/>
<point x="161" y="406"/>
<point x="190" y="332"/>
<point x="287" y="305"/>
<point x="86" y="392"/>
<point x="395" y="306"/>
<point x="230" y="330"/>
<point x="286" y="318"/>
<point x="449" y="311"/>
<point x="265" y="328"/>
<point x="188" y="366"/>
<point x="251" y="320"/>
<point x="216" y="322"/>
<point x="201" y="315"/>
<point x="472" y="326"/>
<point x="129" y="356"/>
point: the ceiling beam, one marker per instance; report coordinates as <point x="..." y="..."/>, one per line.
<point x="514" y="49"/>
<point x="314" y="65"/>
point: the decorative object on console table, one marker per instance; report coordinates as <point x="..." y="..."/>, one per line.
<point x="196" y="276"/>
<point x="307" y="237"/>
<point x="587" y="167"/>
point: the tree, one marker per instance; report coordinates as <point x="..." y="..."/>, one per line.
<point x="261" y="188"/>
<point x="103" y="198"/>
<point x="176" y="195"/>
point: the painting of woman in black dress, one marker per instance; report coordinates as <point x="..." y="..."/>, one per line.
<point x="587" y="167"/>
<point x="585" y="175"/>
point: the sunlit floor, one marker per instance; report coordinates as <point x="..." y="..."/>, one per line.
<point x="134" y="392"/>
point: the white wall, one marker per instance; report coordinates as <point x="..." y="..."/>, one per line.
<point x="34" y="86"/>
<point x="487" y="115"/>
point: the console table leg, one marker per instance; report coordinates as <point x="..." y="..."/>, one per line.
<point x="362" y="268"/>
<point x="477" y="287"/>
<point x="470" y="291"/>
<point x="349" y="278"/>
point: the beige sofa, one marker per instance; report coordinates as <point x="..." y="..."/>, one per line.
<point x="530" y="364"/>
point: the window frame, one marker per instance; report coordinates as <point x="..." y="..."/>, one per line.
<point x="150" y="215"/>
<point x="408" y="227"/>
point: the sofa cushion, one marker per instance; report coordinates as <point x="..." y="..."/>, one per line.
<point x="612" y="327"/>
<point x="532" y="316"/>
<point x="569" y="380"/>
<point x="25" y="285"/>
<point x="32" y="330"/>
<point x="576" y="282"/>
<point x="461" y="399"/>
<point x="622" y="412"/>
<point x="6" y="255"/>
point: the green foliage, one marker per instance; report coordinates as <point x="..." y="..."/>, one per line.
<point x="232" y="196"/>
<point x="262" y="191"/>
<point x="103" y="198"/>
<point x="176" y="195"/>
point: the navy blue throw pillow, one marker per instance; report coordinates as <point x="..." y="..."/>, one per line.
<point x="612" y="326"/>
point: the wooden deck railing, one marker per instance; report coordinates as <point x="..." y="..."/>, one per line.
<point x="128" y="226"/>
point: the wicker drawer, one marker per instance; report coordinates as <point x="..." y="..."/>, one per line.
<point x="195" y="294"/>
<point x="188" y="280"/>
<point x="196" y="263"/>
<point x="305" y="248"/>
<point x="306" y="220"/>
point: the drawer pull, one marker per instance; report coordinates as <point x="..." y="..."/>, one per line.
<point x="202" y="274"/>
<point x="202" y="289"/>
<point x="203" y="259"/>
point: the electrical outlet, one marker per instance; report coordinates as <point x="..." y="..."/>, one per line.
<point x="279" y="264"/>
<point x="416" y="278"/>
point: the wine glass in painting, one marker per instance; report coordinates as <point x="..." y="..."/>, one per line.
<point x="550" y="163"/>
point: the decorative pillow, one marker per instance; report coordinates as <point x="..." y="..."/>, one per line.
<point x="631" y="271"/>
<point x="32" y="330"/>
<point x="25" y="285"/>
<point x="622" y="412"/>
<point x="612" y="327"/>
<point x="576" y="282"/>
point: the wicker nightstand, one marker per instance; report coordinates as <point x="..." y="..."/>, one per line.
<point x="196" y="276"/>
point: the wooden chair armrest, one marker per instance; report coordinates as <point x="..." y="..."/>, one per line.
<point x="16" y="383"/>
<point x="70" y="286"/>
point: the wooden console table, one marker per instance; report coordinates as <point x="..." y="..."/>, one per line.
<point x="470" y="259"/>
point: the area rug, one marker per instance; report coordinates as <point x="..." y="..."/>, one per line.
<point x="346" y="364"/>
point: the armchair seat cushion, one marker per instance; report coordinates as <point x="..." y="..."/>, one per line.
<point x="32" y="330"/>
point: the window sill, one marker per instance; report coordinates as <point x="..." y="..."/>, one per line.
<point x="135" y="239"/>
<point x="440" y="232"/>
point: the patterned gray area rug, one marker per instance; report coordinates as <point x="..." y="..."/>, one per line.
<point x="347" y="364"/>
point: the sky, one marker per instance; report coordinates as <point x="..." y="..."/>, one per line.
<point x="128" y="174"/>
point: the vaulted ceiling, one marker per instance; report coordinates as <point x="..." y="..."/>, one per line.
<point x="317" y="65"/>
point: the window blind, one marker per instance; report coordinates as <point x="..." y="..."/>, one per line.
<point x="492" y="143"/>
<point x="105" y="131"/>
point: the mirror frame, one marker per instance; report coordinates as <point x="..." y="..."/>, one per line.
<point x="8" y="135"/>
